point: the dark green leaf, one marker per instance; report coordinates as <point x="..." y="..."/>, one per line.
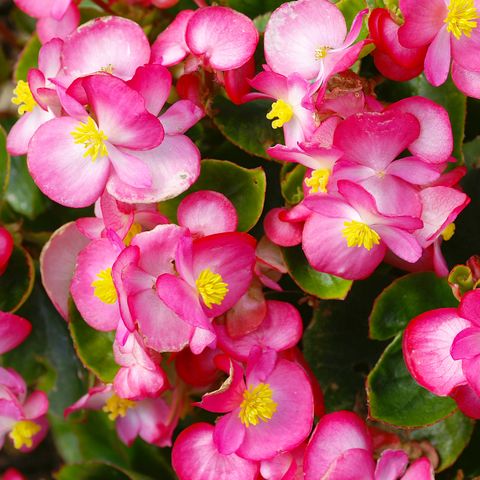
<point x="396" y="398"/>
<point x="292" y="183"/>
<point x="28" y="58"/>
<point x="253" y="8"/>
<point x="246" y="126"/>
<point x="449" y="437"/>
<point x="4" y="163"/>
<point x="471" y="152"/>
<point x="243" y="186"/>
<point x="22" y="193"/>
<point x="406" y="298"/>
<point x="17" y="281"/>
<point x="96" y="471"/>
<point x="322" y="285"/>
<point x="94" y="348"/>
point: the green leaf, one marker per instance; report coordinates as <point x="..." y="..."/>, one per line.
<point x="28" y="58"/>
<point x="336" y="345"/>
<point x="46" y="359"/>
<point x="96" y="471"/>
<point x="246" y="126"/>
<point x="253" y="8"/>
<point x="350" y="9"/>
<point x="4" y="163"/>
<point x="395" y="397"/>
<point x="292" y="182"/>
<point x="320" y="284"/>
<point x="406" y="298"/>
<point x="471" y="152"/>
<point x="17" y="281"/>
<point x="244" y="187"/>
<point x="94" y="348"/>
<point x="22" y="193"/>
<point x="449" y="437"/>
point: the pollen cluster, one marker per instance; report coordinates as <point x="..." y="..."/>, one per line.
<point x="257" y="405"/>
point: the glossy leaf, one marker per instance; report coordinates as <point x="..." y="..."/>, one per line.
<point x="17" y="281"/>
<point x="94" y="348"/>
<point x="96" y="471"/>
<point x="244" y="187"/>
<point x="406" y="298"/>
<point x="28" y="58"/>
<point x="252" y="8"/>
<point x="322" y="285"/>
<point x="291" y="182"/>
<point x="4" y="163"/>
<point x="395" y="397"/>
<point x="246" y="126"/>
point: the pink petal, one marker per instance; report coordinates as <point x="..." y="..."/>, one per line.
<point x="129" y="168"/>
<point x="469" y="307"/>
<point x="59" y="167"/>
<point x="128" y="427"/>
<point x="466" y="344"/>
<point x="49" y="62"/>
<point x="229" y="433"/>
<point x="153" y="82"/>
<point x="420" y="469"/>
<point x="413" y="170"/>
<point x="435" y="142"/>
<point x="466" y="80"/>
<point x="107" y="42"/>
<point x="36" y="405"/>
<point x="181" y="116"/>
<point x="207" y="212"/>
<point x="354" y="464"/>
<point x="296" y="30"/>
<point x="285" y="234"/>
<point x="57" y="264"/>
<point x="464" y="50"/>
<point x="426" y="350"/>
<point x="391" y="465"/>
<point x="170" y="47"/>
<point x="468" y="401"/>
<point x="335" y="434"/>
<point x="470" y="369"/>
<point x="437" y="60"/>
<point x="49" y="28"/>
<point x="94" y="400"/>
<point x="225" y="38"/>
<point x="195" y="457"/>
<point x="13" y="331"/>
<point x="400" y="242"/>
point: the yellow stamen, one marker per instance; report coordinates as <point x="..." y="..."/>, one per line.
<point x="211" y="287"/>
<point x="107" y="69"/>
<point x="448" y="232"/>
<point x="104" y="287"/>
<point x="281" y="110"/>
<point x="321" y="53"/>
<point x="257" y="404"/>
<point x="318" y="180"/>
<point x="23" y="433"/>
<point x="461" y="18"/>
<point x="23" y="98"/>
<point x="117" y="407"/>
<point x="359" y="234"/>
<point x="134" y="230"/>
<point x="88" y="134"/>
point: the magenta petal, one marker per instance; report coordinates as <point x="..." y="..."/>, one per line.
<point x="112" y="43"/>
<point x="129" y="168"/>
<point x="467" y="81"/>
<point x="182" y="299"/>
<point x="391" y="465"/>
<point x="94" y="399"/>
<point x="413" y="170"/>
<point x="400" y="242"/>
<point x="336" y="433"/>
<point x="36" y="405"/>
<point x="57" y="264"/>
<point x="468" y="401"/>
<point x="469" y="307"/>
<point x="471" y="368"/>
<point x="181" y="116"/>
<point x="13" y="331"/>
<point x="59" y="167"/>
<point x="420" y="469"/>
<point x="128" y="427"/>
<point x="285" y="234"/>
<point x="437" y="60"/>
<point x="354" y="464"/>
<point x="466" y="344"/>
<point x="426" y="349"/>
<point x="49" y="28"/>
<point x="225" y="38"/>
<point x="195" y="457"/>
<point x="206" y="213"/>
<point x="229" y="433"/>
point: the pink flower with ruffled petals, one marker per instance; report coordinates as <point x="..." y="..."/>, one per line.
<point x="441" y="350"/>
<point x="309" y="37"/>
<point x="354" y="234"/>
<point x="450" y="31"/>
<point x="270" y="412"/>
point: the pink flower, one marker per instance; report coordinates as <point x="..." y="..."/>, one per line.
<point x="309" y="37"/>
<point x="354" y="234"/>
<point x="45" y="8"/>
<point x="271" y="412"/>
<point x="450" y="31"/>
<point x="196" y="457"/>
<point x="441" y="351"/>
<point x="6" y="248"/>
<point x="341" y="448"/>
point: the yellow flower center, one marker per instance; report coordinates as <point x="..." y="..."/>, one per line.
<point x="23" y="432"/>
<point x="23" y="98"/>
<point x="88" y="134"/>
<point x="104" y="287"/>
<point x="359" y="234"/>
<point x="321" y="53"/>
<point x="318" y="180"/>
<point x="134" y="230"/>
<point x="117" y="407"/>
<point x="448" y="232"/>
<point x="257" y="404"/>
<point x="211" y="287"/>
<point x="282" y="111"/>
<point x="461" y="18"/>
<point x="108" y="69"/>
